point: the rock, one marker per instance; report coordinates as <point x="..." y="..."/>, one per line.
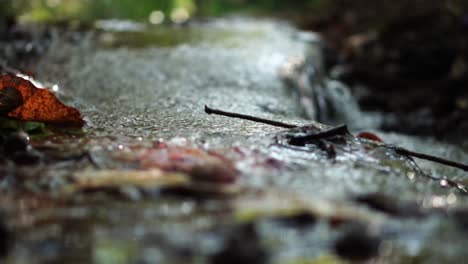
<point x="6" y="238"/>
<point x="17" y="142"/>
<point x="242" y="246"/>
<point x="388" y="205"/>
<point x="300" y="220"/>
<point x="26" y="158"/>
<point x="16" y="148"/>
<point x="10" y="99"/>
<point x="202" y="191"/>
<point x="358" y="244"/>
<point x="461" y="218"/>
<point x="214" y="172"/>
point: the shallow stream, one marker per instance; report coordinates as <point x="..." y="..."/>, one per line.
<point x="137" y="84"/>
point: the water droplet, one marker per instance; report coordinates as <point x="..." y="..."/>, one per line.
<point x="180" y="15"/>
<point x="438" y="201"/>
<point x="156" y="17"/>
<point x="451" y="198"/>
<point x="443" y="183"/>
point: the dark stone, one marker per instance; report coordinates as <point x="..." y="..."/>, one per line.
<point x="10" y="99"/>
<point x="197" y="191"/>
<point x="301" y="220"/>
<point x="26" y="158"/>
<point x="378" y="202"/>
<point x="328" y="148"/>
<point x="214" y="173"/>
<point x="51" y="250"/>
<point x="461" y="218"/>
<point x="358" y="244"/>
<point x="388" y="205"/>
<point x="6" y="238"/>
<point x="17" y="142"/>
<point x="242" y="246"/>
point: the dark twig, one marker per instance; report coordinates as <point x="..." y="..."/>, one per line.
<point x="247" y="117"/>
<point x="450" y="163"/>
<point x="340" y="130"/>
<point x="448" y="182"/>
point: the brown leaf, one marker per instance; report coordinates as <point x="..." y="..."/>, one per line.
<point x="116" y="178"/>
<point x="201" y="165"/>
<point x="39" y="104"/>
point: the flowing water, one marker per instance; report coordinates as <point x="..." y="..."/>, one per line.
<point x="137" y="84"/>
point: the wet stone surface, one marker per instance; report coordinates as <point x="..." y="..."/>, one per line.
<point x="153" y="179"/>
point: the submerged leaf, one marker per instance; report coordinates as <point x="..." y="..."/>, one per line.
<point x="116" y="178"/>
<point x="38" y="104"/>
<point x="201" y="165"/>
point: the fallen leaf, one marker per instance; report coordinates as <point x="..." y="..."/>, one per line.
<point x="39" y="104"/>
<point x="115" y="178"/>
<point x="201" y="165"/>
<point x="369" y="136"/>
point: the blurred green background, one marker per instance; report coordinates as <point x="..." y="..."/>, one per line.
<point x="155" y="11"/>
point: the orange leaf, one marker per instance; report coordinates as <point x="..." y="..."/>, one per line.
<point x="369" y="136"/>
<point x="39" y="104"/>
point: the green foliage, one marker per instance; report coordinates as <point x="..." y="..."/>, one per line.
<point x="5" y="8"/>
<point x="88" y="10"/>
<point x="8" y="125"/>
<point x="216" y="8"/>
<point x="127" y="9"/>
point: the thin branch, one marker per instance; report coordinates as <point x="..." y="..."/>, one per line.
<point x="446" y="162"/>
<point x="247" y="117"/>
<point x="340" y="130"/>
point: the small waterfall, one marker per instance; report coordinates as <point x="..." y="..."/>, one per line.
<point x="323" y="99"/>
<point x="342" y="107"/>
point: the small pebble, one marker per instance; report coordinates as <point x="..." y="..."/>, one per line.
<point x="358" y="244"/>
<point x="214" y="173"/>
<point x="242" y="246"/>
<point x="461" y="218"/>
<point x="300" y="220"/>
<point x="26" y="158"/>
<point x="10" y="99"/>
<point x="389" y="205"/>
<point x="6" y="238"/>
<point x="17" y="142"/>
